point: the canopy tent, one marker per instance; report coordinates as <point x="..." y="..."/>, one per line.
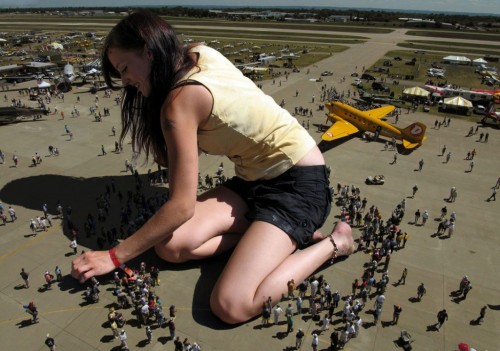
<point x="44" y="84"/>
<point x="479" y="61"/>
<point x="56" y="46"/>
<point x="416" y="91"/>
<point x="457" y="101"/>
<point x="457" y="59"/>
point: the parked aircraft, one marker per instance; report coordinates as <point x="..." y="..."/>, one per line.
<point x="10" y="114"/>
<point x="19" y="78"/>
<point x="492" y="114"/>
<point x="349" y="120"/>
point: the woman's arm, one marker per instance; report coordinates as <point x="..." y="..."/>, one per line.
<point x="188" y="107"/>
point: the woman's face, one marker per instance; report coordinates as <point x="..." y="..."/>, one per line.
<point x="134" y="67"/>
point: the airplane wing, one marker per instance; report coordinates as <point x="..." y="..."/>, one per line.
<point x="381" y="111"/>
<point x="339" y="129"/>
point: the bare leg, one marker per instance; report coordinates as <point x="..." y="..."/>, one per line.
<point x="217" y="226"/>
<point x="261" y="265"/>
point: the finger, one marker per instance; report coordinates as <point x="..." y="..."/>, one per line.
<point x="85" y="276"/>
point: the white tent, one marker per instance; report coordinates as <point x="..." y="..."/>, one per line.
<point x="479" y="61"/>
<point x="56" y="46"/>
<point x="456" y="59"/>
<point x="457" y="101"/>
<point x="44" y="84"/>
<point x="416" y="91"/>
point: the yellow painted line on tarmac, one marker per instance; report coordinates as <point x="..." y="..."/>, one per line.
<point x="27" y="316"/>
<point x="72" y="309"/>
<point x="26" y="244"/>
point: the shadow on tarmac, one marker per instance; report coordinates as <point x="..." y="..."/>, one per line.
<point x="81" y="194"/>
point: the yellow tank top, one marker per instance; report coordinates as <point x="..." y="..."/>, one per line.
<point x="262" y="139"/>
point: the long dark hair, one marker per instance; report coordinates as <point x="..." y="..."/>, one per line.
<point x="170" y="61"/>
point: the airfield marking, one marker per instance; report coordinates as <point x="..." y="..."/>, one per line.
<point x="72" y="309"/>
<point x="26" y="244"/>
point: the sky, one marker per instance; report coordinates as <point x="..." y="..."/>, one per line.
<point x="473" y="6"/>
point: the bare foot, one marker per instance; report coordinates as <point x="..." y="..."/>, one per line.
<point x="342" y="236"/>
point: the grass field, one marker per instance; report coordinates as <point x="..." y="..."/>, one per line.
<point x="461" y="75"/>
<point x="310" y="43"/>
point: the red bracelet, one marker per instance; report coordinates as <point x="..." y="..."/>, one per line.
<point x="114" y="259"/>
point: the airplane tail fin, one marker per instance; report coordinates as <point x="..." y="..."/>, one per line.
<point x="413" y="135"/>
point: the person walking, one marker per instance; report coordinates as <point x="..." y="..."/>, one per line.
<point x="123" y="340"/>
<point x="396" y="313"/>
<point x="58" y="273"/>
<point x="444" y="211"/>
<point x="417" y="216"/>
<point x="395" y="159"/>
<point x="466" y="290"/>
<point x="493" y="195"/>
<point x="74" y="245"/>
<point x="276" y="314"/>
<point x="25" y="275"/>
<point x="442" y="316"/>
<point x="12" y="214"/>
<point x="402" y="280"/>
<point x="482" y="313"/>
<point x="49" y="341"/>
<point x="421" y="291"/>
<point x="48" y="279"/>
<point x="289" y="323"/>
<point x="315" y="342"/>
<point x="325" y="323"/>
<point x="32" y="310"/>
<point x="298" y="304"/>
<point x="298" y="339"/>
<point x="420" y="165"/>
<point x="149" y="334"/>
<point x="414" y="190"/>
<point x="171" y="329"/>
<point x="425" y="217"/>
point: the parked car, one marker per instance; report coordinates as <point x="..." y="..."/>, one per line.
<point x="357" y="82"/>
<point x="375" y="180"/>
<point x="479" y="110"/>
<point x="327" y="73"/>
<point x="380" y="87"/>
<point x="367" y="76"/>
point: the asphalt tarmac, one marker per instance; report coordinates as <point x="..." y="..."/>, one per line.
<point x="80" y="174"/>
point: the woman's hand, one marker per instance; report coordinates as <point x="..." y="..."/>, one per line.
<point x="91" y="264"/>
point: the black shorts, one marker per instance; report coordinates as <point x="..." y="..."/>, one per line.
<point x="298" y="201"/>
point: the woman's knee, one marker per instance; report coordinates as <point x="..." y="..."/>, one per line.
<point x="171" y="253"/>
<point x="230" y="308"/>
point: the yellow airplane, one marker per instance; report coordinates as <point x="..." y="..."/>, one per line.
<point x="348" y="120"/>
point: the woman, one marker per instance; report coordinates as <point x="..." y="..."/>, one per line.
<point x="179" y="101"/>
